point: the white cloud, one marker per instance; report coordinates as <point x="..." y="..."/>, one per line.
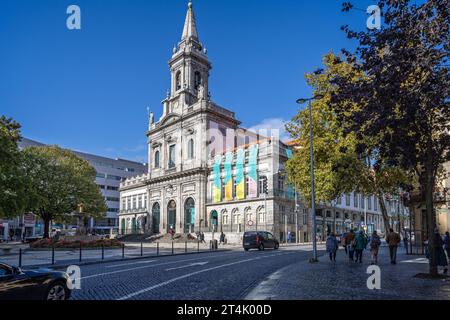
<point x="270" y="127"/>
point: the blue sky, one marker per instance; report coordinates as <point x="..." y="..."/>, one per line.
<point x="89" y="89"/>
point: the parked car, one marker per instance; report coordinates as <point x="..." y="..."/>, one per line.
<point x="259" y="240"/>
<point x="40" y="284"/>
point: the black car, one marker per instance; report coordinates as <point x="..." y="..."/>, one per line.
<point x="40" y="284"/>
<point x="259" y="240"/>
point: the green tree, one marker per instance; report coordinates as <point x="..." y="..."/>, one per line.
<point x="61" y="183"/>
<point x="403" y="97"/>
<point x="12" y="184"/>
<point x="339" y="166"/>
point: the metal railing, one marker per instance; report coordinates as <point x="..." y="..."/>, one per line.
<point x="53" y="256"/>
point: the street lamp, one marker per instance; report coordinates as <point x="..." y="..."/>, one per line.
<point x="311" y="153"/>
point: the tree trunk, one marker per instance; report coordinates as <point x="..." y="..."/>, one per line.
<point x="46" y="228"/>
<point x="383" y="212"/>
<point x="431" y="218"/>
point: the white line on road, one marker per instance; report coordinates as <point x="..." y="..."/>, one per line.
<point x="189" y="265"/>
<point x="131" y="295"/>
<point x="143" y="267"/>
<point x="129" y="264"/>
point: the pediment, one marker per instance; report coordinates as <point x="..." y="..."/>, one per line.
<point x="171" y="117"/>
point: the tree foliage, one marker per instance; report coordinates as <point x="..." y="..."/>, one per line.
<point x="60" y="184"/>
<point x="12" y="184"/>
<point x="339" y="166"/>
<point x="402" y="101"/>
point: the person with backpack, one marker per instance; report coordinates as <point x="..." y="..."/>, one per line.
<point x="375" y="243"/>
<point x="360" y="243"/>
<point x="332" y="246"/>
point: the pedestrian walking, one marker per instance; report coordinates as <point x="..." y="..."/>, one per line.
<point x="447" y="244"/>
<point x="438" y="244"/>
<point x="289" y="238"/>
<point x="375" y="243"/>
<point x="405" y="242"/>
<point x="222" y="238"/>
<point x="343" y="242"/>
<point x="393" y="239"/>
<point x="202" y="237"/>
<point x="360" y="245"/>
<point x="332" y="246"/>
<point x="349" y="240"/>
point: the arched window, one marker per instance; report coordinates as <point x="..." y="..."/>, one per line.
<point x="156" y="217"/>
<point x="157" y="159"/>
<point x="178" y="81"/>
<point x="261" y="215"/>
<point x="197" y="80"/>
<point x="191" y="149"/>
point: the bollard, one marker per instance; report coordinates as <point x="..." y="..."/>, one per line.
<point x="198" y="246"/>
<point x="172" y="247"/>
<point x="123" y="251"/>
<point x="185" y="247"/>
<point x="103" y="252"/>
<point x="142" y="249"/>
<point x="20" y="258"/>
<point x="157" y="248"/>
<point x="81" y="246"/>
<point x="53" y="256"/>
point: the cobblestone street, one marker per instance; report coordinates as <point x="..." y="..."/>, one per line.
<point x="345" y="280"/>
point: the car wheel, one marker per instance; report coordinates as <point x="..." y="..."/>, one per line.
<point x="57" y="291"/>
<point x="261" y="247"/>
<point x="276" y="246"/>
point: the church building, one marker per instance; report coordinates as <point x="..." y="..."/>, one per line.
<point x="205" y="172"/>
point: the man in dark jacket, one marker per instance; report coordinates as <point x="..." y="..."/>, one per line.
<point x="393" y="239"/>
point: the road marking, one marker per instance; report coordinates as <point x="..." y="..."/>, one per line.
<point x="189" y="265"/>
<point x="131" y="295"/>
<point x="143" y="267"/>
<point x="130" y="264"/>
<point x="419" y="260"/>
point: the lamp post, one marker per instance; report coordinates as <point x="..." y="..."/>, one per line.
<point x="311" y="153"/>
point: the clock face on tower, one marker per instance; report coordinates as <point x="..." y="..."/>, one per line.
<point x="175" y="106"/>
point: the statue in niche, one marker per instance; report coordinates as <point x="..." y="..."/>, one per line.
<point x="201" y="92"/>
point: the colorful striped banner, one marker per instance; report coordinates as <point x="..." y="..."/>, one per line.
<point x="228" y="180"/>
<point x="240" y="178"/>
<point x="217" y="184"/>
<point x="253" y="171"/>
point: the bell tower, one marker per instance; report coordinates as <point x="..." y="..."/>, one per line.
<point x="189" y="68"/>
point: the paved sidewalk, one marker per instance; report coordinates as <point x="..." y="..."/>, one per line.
<point x="345" y="280"/>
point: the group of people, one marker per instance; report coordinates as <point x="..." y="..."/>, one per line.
<point x="355" y="242"/>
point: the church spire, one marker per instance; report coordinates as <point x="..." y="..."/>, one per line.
<point x="190" y="27"/>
